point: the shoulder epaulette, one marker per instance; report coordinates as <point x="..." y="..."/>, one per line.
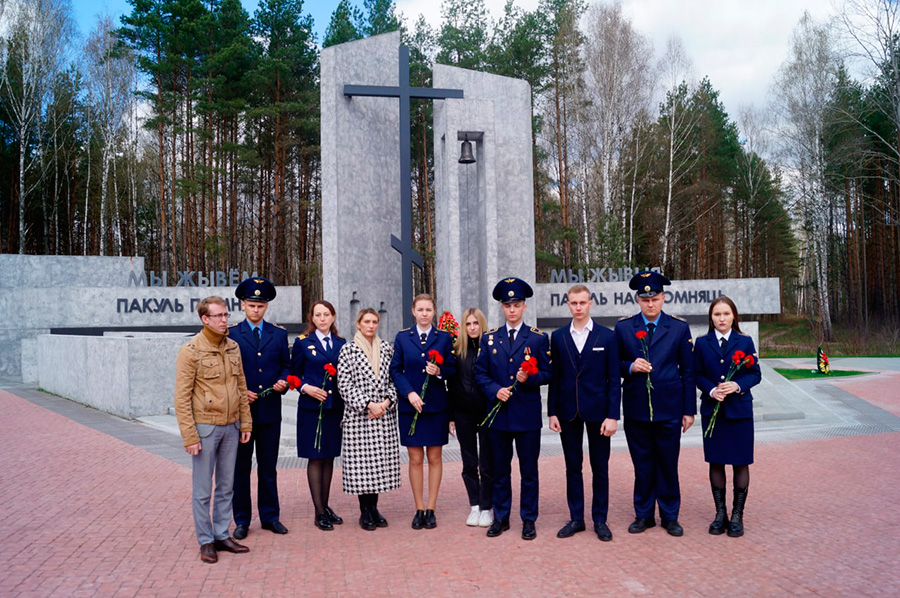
<point x="278" y="325"/>
<point x="233" y="325"/>
<point x="623" y="318"/>
<point x="679" y="318"/>
<point x="302" y="337"/>
<point x="406" y="329"/>
<point x="537" y="330"/>
<point x="339" y="336"/>
<point x="492" y="330"/>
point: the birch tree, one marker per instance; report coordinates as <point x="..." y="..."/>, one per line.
<point x="803" y="88"/>
<point x="35" y="49"/>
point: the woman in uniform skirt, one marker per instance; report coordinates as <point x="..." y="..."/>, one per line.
<point x="371" y="453"/>
<point x="730" y="439"/>
<point x="315" y="349"/>
<point x="467" y="407"/>
<point x="422" y="353"/>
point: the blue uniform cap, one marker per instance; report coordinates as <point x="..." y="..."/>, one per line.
<point x="648" y="284"/>
<point x="512" y="289"/>
<point x="255" y="288"/>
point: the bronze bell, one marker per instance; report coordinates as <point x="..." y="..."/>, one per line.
<point x="465" y="154"/>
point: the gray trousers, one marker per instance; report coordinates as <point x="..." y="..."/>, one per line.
<point x="218" y="453"/>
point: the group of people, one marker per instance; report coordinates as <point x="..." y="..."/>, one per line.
<point x="364" y="398"/>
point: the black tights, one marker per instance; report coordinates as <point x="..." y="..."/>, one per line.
<point x="318" y="474"/>
<point x="367" y="500"/>
<point x="717" y="475"/>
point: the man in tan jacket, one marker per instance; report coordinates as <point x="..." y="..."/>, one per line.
<point x="213" y="413"/>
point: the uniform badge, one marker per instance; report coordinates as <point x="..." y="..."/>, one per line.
<point x="511" y="293"/>
<point x="645" y="274"/>
<point x="494" y="352"/>
<point x="314" y="352"/>
<point x="646" y="288"/>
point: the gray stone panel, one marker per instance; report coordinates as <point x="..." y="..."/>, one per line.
<point x="27" y="271"/>
<point x="360" y="183"/>
<point x="128" y="377"/>
<point x="683" y="297"/>
<point x="483" y="211"/>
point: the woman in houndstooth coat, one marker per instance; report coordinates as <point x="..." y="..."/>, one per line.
<point x="371" y="451"/>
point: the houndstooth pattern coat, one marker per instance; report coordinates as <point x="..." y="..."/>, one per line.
<point x="371" y="451"/>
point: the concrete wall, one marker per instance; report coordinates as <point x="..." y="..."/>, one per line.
<point x="361" y="183"/>
<point x="126" y="376"/>
<point x="484" y="214"/>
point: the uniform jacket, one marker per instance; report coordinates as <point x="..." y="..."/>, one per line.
<point x="674" y="392"/>
<point x="712" y="363"/>
<point x="496" y="366"/>
<point x="264" y="365"/>
<point x="209" y="385"/>
<point x="408" y="368"/>
<point x="308" y="359"/>
<point x="585" y="384"/>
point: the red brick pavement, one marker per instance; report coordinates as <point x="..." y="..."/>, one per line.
<point x="85" y="514"/>
<point x="882" y="390"/>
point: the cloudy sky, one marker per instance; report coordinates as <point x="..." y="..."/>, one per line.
<point x="738" y="44"/>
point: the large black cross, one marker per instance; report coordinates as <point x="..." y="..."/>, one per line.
<point x="409" y="256"/>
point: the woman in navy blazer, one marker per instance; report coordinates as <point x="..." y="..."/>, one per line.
<point x="730" y="440"/>
<point x="410" y="367"/>
<point x="317" y="347"/>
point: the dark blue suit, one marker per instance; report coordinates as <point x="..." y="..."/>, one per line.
<point x="655" y="445"/>
<point x="731" y="440"/>
<point x="520" y="419"/>
<point x="408" y="375"/>
<point x="584" y="391"/>
<point x="264" y="365"/>
<point x="308" y="359"/>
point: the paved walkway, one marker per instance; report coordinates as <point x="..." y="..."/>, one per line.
<point x="97" y="506"/>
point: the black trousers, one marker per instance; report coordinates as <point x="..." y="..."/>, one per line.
<point x="572" y="437"/>
<point x="477" y="469"/>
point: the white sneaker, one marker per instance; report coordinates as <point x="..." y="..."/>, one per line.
<point x="486" y="518"/>
<point x="472" y="519"/>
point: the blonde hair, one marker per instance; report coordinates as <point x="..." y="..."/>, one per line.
<point x="462" y="341"/>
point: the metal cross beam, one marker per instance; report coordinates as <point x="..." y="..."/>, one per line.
<point x="403" y="245"/>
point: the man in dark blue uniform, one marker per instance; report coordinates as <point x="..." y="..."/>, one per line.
<point x="518" y="419"/>
<point x="585" y="392"/>
<point x="657" y="345"/>
<point x="267" y="363"/>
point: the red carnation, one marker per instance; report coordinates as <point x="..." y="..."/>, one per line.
<point x="435" y="357"/>
<point x="738" y="356"/>
<point x="529" y="366"/>
<point x="641" y="334"/>
<point x="330" y="369"/>
<point x="748" y="361"/>
<point x="294" y="382"/>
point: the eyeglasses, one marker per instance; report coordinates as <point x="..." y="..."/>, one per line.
<point x="217" y="316"/>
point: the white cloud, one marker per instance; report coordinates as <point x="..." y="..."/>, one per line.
<point x="738" y="44"/>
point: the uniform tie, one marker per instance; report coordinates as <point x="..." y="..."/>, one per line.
<point x="328" y="344"/>
<point x="650" y="328"/>
<point x="423" y="337"/>
<point x="256" y="334"/>
<point x="722" y="342"/>
<point x="512" y="336"/>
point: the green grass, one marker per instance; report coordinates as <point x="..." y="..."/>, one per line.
<point x="796" y="374"/>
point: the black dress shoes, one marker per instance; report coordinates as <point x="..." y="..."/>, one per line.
<point x="497" y="528"/>
<point x="323" y="522"/>
<point x="332" y="516"/>
<point x="640" y="524"/>
<point x="229" y="545"/>
<point x="418" y="520"/>
<point x="379" y="520"/>
<point x="603" y="532"/>
<point x="240" y="532"/>
<point x="570" y="529"/>
<point x="528" y="531"/>
<point x="208" y="553"/>
<point x="430" y="521"/>
<point x="365" y="520"/>
<point x="275" y="527"/>
<point x="673" y="527"/>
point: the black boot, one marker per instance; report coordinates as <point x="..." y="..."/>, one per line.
<point x="717" y="527"/>
<point x="736" y="527"/>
